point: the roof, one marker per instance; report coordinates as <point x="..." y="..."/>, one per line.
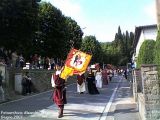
<point x="138" y="32"/>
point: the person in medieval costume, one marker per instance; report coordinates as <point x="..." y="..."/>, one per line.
<point x="92" y="89"/>
<point x="105" y="76"/>
<point x="81" y="84"/>
<point x="59" y="93"/>
<point x="98" y="77"/>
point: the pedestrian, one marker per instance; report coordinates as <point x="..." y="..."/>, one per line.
<point x="81" y="84"/>
<point x="24" y="85"/>
<point x="1" y="88"/>
<point x="110" y="74"/>
<point x="59" y="93"/>
<point x="105" y="76"/>
<point x="21" y="61"/>
<point x="27" y="83"/>
<point x="126" y="73"/>
<point x="91" y="83"/>
<point x="98" y="78"/>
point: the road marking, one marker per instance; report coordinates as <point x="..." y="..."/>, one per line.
<point x="107" y="107"/>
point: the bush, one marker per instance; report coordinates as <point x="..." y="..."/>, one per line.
<point x="157" y="50"/>
<point x="146" y="53"/>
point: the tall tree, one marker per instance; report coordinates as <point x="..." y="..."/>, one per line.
<point x="92" y="46"/>
<point x="17" y="19"/>
<point x="74" y="33"/>
<point x="119" y="52"/>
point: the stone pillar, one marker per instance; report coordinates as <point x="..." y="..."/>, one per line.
<point x="137" y="83"/>
<point x="3" y="70"/>
<point x="151" y="91"/>
<point x="18" y="83"/>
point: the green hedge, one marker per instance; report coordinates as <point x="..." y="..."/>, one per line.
<point x="146" y="53"/>
<point x="157" y="50"/>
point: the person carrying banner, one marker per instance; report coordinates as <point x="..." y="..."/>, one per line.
<point x="59" y="93"/>
<point x="81" y="84"/>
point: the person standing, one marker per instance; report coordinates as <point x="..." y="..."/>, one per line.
<point x="59" y="93"/>
<point x="81" y="84"/>
<point x="27" y="83"/>
<point x="98" y="77"/>
<point x="21" y="61"/>
<point x="1" y="88"/>
<point x="14" y="58"/>
<point x="24" y="84"/>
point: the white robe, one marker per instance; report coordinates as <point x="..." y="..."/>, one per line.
<point x="52" y="79"/>
<point x="98" y="78"/>
<point x="81" y="88"/>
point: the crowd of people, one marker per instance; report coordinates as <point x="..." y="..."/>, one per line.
<point x="35" y="61"/>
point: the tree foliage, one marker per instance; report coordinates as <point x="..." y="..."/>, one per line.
<point x="30" y="28"/>
<point x="146" y="51"/>
<point x="157" y="50"/>
<point x="57" y="32"/>
<point x="119" y="52"/>
<point x="17" y="23"/>
<point x="92" y="46"/>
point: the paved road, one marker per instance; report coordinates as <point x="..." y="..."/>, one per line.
<point x="79" y="107"/>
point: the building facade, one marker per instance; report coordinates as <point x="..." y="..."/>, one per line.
<point x="158" y="11"/>
<point x="142" y="33"/>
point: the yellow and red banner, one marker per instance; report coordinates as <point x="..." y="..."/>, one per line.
<point x="76" y="63"/>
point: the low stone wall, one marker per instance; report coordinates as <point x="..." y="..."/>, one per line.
<point x="151" y="92"/>
<point x="41" y="80"/>
<point x="146" y="91"/>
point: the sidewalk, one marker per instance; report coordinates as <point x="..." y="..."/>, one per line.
<point x="124" y="107"/>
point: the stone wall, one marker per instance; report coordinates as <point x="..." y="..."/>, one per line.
<point x="41" y="80"/>
<point x="151" y="92"/>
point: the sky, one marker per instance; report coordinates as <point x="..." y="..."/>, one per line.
<point x="101" y="18"/>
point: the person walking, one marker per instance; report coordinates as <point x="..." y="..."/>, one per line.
<point x="91" y="83"/>
<point x="98" y="77"/>
<point x="1" y="88"/>
<point x="59" y="93"/>
<point x="81" y="84"/>
<point x="105" y="76"/>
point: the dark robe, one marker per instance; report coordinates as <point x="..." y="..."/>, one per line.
<point x="59" y="95"/>
<point x="92" y="89"/>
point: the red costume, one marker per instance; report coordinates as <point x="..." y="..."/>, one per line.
<point x="80" y="79"/>
<point x="105" y="77"/>
<point x="59" y="95"/>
